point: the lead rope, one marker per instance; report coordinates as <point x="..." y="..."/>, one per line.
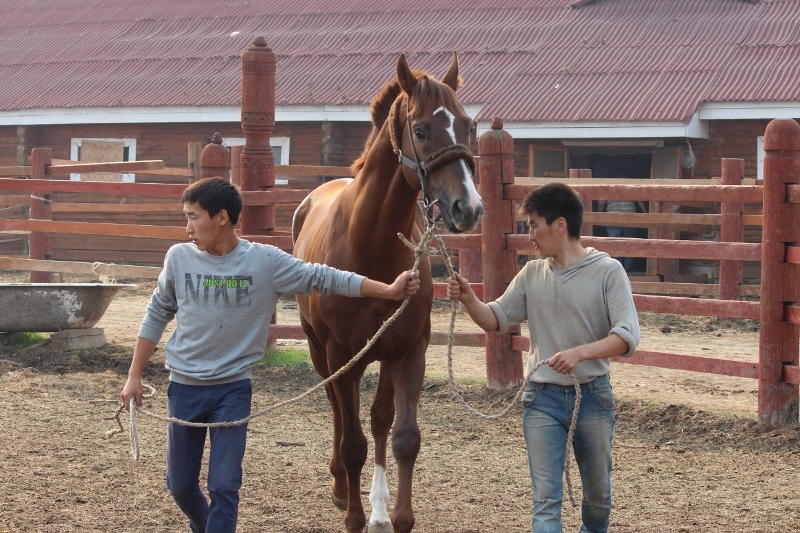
<point x="459" y="397"/>
<point x="420" y="251"/>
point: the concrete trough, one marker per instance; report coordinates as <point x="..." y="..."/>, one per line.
<point x="45" y="307"/>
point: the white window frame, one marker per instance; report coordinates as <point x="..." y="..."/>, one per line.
<point x="281" y="142"/>
<point x="760" y="157"/>
<point x="130" y="144"/>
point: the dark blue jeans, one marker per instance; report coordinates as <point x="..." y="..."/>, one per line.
<point x="215" y="403"/>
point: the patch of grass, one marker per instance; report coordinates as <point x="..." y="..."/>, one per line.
<point x="286" y="357"/>
<point x="25" y="339"/>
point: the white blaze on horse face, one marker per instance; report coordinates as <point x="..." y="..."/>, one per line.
<point x="379" y="497"/>
<point x="474" y="197"/>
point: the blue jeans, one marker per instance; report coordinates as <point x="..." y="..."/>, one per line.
<point x="614" y="231"/>
<point x="546" y="419"/>
<point x="215" y="403"/>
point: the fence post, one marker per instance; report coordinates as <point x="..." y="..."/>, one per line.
<point x="258" y="119"/>
<point x="41" y="244"/>
<point x="778" y="339"/>
<point x="731" y="230"/>
<point x="587" y="228"/>
<point x="496" y="150"/>
<point x="215" y="159"/>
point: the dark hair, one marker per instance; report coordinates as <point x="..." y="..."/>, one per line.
<point x="555" y="200"/>
<point x="214" y="195"/>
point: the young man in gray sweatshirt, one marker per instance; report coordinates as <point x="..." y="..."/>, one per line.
<point x="222" y="291"/>
<point x="580" y="312"/>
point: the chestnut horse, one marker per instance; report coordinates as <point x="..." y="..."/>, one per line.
<point x="418" y="141"/>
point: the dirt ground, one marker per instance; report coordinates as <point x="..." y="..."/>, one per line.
<point x="688" y="455"/>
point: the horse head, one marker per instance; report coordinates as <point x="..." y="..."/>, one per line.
<point x="431" y="138"/>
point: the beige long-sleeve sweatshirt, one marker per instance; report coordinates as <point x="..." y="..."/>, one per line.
<point x="568" y="307"/>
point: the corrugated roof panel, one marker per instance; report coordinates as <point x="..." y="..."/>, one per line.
<point x="729" y="25"/>
<point x="677" y="96"/>
<point x="651" y="59"/>
<point x="621" y="94"/>
<point x="744" y="78"/>
<point x="602" y="60"/>
<point x="778" y="25"/>
<point x="782" y="84"/>
<point x="705" y="58"/>
<point x="553" y="60"/>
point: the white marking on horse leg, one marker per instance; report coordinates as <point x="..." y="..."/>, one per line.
<point x="379" y="499"/>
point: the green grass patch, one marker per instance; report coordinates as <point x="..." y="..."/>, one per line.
<point x="25" y="339"/>
<point x="287" y="357"/>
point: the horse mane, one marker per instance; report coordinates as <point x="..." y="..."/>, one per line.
<point x="387" y="98"/>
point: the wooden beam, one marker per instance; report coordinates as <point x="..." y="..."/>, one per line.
<point x="657" y="248"/>
<point x="649" y="220"/>
<point x="75" y="267"/>
<point x="167" y="207"/>
<point x="793" y="255"/>
<point x="181" y="172"/>
<point x="15" y="171"/>
<point x="688" y="289"/>
<point x="309" y="170"/>
<point x="791" y="314"/>
<point x="692" y="363"/>
<point x="791" y="374"/>
<point x="616" y="181"/>
<point x="14" y="211"/>
<point x="91" y="228"/>
<point x="274" y="196"/>
<point x="123" y="167"/>
<point x="144" y="189"/>
<point x="697" y="306"/>
<point x="9" y="200"/>
<point x="662" y="193"/>
<point x="464" y="240"/>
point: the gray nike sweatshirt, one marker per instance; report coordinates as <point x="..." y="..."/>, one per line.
<point x="568" y="307"/>
<point x="223" y="306"/>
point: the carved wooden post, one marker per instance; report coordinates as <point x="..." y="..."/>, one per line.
<point x="731" y="230"/>
<point x="778" y="339"/>
<point x="587" y="228"/>
<point x="496" y="149"/>
<point x="41" y="244"/>
<point x="215" y="159"/>
<point x="258" y="120"/>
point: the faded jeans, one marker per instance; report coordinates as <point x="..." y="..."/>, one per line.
<point x="546" y="419"/>
<point x="214" y="403"/>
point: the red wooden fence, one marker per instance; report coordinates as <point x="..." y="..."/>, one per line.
<point x="779" y="312"/>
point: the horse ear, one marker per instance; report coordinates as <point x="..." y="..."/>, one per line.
<point x="451" y="78"/>
<point x="405" y="77"/>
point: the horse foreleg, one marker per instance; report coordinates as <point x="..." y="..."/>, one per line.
<point x="381" y="417"/>
<point x="406" y="435"/>
<point x="353" y="449"/>
<point x="336" y="466"/>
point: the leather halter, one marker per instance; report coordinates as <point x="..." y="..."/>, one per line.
<point x="432" y="163"/>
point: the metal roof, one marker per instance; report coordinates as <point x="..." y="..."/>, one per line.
<point x="527" y="61"/>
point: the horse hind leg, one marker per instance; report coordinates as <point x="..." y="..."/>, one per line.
<point x="381" y="417"/>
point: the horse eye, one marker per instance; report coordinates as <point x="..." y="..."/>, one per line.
<point x="419" y="133"/>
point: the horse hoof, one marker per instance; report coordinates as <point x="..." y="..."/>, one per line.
<point x="380" y="527"/>
<point x="339" y="503"/>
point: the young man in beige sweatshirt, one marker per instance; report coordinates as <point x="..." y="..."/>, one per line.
<point x="580" y="312"/>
